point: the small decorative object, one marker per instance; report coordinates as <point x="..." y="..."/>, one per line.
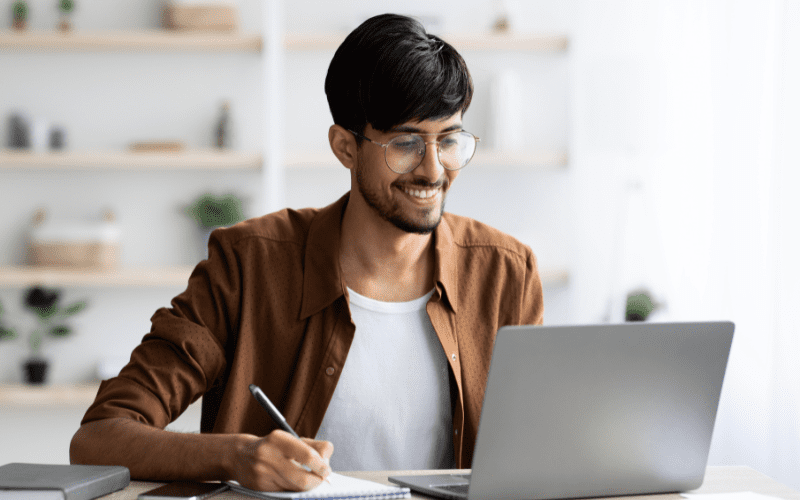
<point x="19" y="12"/>
<point x="57" y="138"/>
<point x="639" y="306"/>
<point x="71" y="243"/>
<point x="206" y="17"/>
<point x="66" y="7"/>
<point x="501" y="24"/>
<point x="505" y="19"/>
<point x="211" y="212"/>
<point x="40" y="135"/>
<point x="222" y="132"/>
<point x="19" y="136"/>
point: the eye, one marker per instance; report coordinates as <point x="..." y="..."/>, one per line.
<point x="407" y="143"/>
<point x="449" y="142"/>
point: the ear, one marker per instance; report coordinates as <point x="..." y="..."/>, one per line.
<point x="343" y="145"/>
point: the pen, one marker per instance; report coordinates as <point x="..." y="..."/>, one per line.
<point x="276" y="416"/>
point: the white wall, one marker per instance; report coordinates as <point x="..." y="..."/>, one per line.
<point x="678" y="120"/>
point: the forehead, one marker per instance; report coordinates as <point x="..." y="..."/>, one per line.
<point x="429" y="126"/>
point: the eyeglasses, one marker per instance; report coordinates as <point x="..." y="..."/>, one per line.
<point x="405" y="152"/>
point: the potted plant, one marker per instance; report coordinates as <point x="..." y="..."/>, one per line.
<point x="65" y="7"/>
<point x="210" y="212"/>
<point x="50" y="316"/>
<point x="639" y="306"/>
<point x="19" y="12"/>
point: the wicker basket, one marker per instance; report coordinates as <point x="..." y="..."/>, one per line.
<point x="210" y="17"/>
<point x="73" y="254"/>
<point x="86" y="244"/>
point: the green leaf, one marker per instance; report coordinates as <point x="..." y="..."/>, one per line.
<point x="60" y="331"/>
<point x="20" y="10"/>
<point x="45" y="313"/>
<point x="7" y="333"/>
<point x="74" y="308"/>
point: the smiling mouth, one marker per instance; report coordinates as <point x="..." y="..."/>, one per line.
<point x="422" y="194"/>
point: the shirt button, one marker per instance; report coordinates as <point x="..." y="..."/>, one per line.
<point x="329" y="370"/>
<point x="453" y="356"/>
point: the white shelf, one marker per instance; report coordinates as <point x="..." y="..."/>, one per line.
<point x="189" y="160"/>
<point x="483" y="41"/>
<point x="150" y="40"/>
<point x="24" y="396"/>
<point x="169" y="276"/>
<point x="544" y="160"/>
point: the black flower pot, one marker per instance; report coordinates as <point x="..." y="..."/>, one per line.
<point x="35" y="371"/>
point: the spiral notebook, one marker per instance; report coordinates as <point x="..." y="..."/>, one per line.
<point x="340" y="487"/>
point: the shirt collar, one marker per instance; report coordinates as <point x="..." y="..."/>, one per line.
<point x="446" y="265"/>
<point x="322" y="282"/>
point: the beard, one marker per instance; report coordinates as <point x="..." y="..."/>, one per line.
<point x="391" y="212"/>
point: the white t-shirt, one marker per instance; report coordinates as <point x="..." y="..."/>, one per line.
<point x="391" y="408"/>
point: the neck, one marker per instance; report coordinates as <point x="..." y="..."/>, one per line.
<point x="383" y="262"/>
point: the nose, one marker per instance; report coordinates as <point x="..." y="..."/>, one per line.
<point x="430" y="168"/>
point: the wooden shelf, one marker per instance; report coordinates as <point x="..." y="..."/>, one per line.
<point x="175" y="276"/>
<point x="189" y="160"/>
<point x="539" y="160"/>
<point x="21" y="395"/>
<point x="159" y="40"/>
<point x="171" y="276"/>
<point x="483" y="41"/>
<point x="148" y="40"/>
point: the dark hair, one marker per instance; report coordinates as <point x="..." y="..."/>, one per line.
<point x="390" y="71"/>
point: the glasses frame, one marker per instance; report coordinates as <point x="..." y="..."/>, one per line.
<point x="425" y="152"/>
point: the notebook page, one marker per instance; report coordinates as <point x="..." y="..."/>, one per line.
<point x="340" y="487"/>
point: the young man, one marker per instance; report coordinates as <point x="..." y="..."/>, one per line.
<point x="369" y="323"/>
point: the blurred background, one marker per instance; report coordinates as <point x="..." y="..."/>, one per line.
<point x="639" y="147"/>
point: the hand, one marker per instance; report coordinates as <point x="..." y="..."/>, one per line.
<point x="274" y="462"/>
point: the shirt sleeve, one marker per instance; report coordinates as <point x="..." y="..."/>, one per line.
<point x="184" y="355"/>
<point x="532" y="308"/>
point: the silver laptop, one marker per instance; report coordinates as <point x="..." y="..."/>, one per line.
<point x="590" y="411"/>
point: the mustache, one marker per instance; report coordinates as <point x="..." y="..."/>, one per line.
<point x="423" y="184"/>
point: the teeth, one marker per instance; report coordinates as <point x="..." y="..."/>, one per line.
<point x="421" y="194"/>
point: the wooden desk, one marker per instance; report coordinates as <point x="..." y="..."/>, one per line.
<point x="717" y="480"/>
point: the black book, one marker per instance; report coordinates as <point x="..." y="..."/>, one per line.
<point x="20" y="481"/>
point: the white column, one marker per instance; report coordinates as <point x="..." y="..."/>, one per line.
<point x="273" y="67"/>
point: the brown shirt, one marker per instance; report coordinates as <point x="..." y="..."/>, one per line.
<point x="269" y="307"/>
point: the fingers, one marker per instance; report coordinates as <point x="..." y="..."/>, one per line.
<point x="324" y="448"/>
<point x="306" y="467"/>
<point x="316" y="456"/>
<point x="277" y="461"/>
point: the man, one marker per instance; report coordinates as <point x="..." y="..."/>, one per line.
<point x="409" y="296"/>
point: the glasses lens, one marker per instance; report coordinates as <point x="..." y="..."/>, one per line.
<point x="404" y="153"/>
<point x="456" y="150"/>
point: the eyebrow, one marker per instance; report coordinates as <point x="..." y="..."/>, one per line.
<point x="414" y="130"/>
